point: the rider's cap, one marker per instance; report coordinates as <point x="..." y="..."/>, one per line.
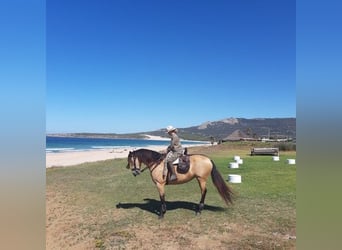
<point x="170" y="128"/>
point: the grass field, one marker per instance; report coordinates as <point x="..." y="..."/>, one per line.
<point x="102" y="206"/>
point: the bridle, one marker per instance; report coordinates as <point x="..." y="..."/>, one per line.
<point x="136" y="171"/>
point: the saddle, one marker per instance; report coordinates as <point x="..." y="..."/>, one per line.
<point x="183" y="162"/>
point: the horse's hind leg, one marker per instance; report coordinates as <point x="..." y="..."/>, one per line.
<point x="202" y="185"/>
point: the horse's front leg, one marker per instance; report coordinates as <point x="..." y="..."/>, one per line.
<point x="162" y="207"/>
<point x="162" y="200"/>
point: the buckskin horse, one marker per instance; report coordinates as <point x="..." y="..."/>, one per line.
<point x="200" y="168"/>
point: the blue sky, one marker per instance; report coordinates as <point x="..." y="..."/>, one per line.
<point x="228" y="53"/>
<point x="133" y="66"/>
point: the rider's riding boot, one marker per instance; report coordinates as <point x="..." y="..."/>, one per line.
<point x="173" y="176"/>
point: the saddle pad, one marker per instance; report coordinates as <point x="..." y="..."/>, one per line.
<point x="176" y="161"/>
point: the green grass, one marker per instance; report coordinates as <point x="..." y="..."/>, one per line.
<point x="103" y="202"/>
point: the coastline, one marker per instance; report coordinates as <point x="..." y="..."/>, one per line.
<point x="64" y="159"/>
<point x="155" y="137"/>
<point x="107" y="136"/>
<point x="71" y="158"/>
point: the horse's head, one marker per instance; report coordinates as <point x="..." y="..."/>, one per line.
<point x="133" y="163"/>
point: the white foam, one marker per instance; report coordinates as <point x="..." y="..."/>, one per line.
<point x="59" y="149"/>
<point x="108" y="147"/>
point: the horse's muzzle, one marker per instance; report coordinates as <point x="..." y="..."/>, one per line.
<point x="136" y="172"/>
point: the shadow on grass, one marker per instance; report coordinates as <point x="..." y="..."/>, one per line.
<point x="153" y="206"/>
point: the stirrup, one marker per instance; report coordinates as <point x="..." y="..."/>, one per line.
<point x="173" y="177"/>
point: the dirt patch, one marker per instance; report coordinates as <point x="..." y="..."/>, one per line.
<point x="66" y="228"/>
<point x="63" y="229"/>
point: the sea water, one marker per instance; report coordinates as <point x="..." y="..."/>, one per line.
<point x="63" y="144"/>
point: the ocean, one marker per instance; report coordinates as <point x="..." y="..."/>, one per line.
<point x="63" y="144"/>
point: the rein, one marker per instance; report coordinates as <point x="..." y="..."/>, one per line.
<point x="142" y="170"/>
<point x="137" y="170"/>
<point x="152" y="168"/>
<point x="147" y="166"/>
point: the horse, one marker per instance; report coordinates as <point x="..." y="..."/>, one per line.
<point x="200" y="168"/>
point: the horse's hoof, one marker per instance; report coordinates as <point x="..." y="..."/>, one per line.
<point x="198" y="213"/>
<point x="160" y="217"/>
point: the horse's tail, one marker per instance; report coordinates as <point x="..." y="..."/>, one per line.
<point x="224" y="190"/>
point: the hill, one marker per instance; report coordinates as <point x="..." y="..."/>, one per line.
<point x="253" y="128"/>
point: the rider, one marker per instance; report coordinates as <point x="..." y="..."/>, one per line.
<point x="174" y="150"/>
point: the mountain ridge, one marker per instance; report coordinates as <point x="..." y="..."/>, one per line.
<point x="254" y="128"/>
<point x="220" y="129"/>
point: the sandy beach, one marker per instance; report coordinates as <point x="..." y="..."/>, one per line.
<point x="70" y="158"/>
<point x="63" y="159"/>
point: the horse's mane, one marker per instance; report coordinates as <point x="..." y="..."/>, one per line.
<point x="149" y="155"/>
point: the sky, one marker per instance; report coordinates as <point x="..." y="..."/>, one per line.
<point x="131" y="66"/>
<point x="63" y="68"/>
